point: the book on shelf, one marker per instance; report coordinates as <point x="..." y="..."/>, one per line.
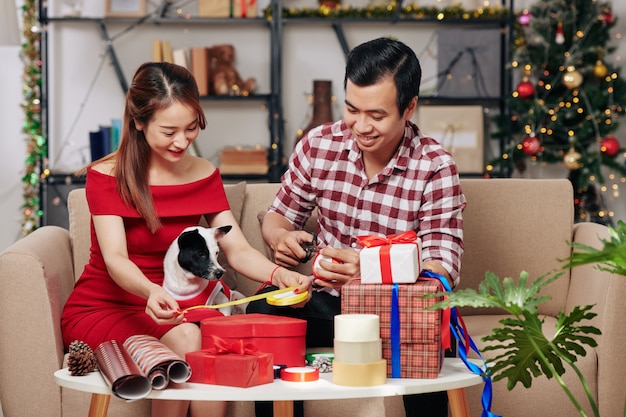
<point x="105" y="140"/>
<point x="157" y="50"/>
<point x="167" y="52"/>
<point x="200" y="68"/>
<point x="142" y="363"/>
<point x="179" y="56"/>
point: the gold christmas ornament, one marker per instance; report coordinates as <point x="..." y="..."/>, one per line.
<point x="571" y="160"/>
<point x="572" y="78"/>
<point x="600" y="70"/>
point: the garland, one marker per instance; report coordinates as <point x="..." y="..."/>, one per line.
<point x="410" y="11"/>
<point x="35" y="142"/>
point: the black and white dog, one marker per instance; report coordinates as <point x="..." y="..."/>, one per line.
<point x="192" y="272"/>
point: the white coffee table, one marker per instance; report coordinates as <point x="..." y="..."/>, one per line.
<point x="454" y="377"/>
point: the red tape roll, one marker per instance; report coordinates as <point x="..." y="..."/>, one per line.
<point x="300" y="374"/>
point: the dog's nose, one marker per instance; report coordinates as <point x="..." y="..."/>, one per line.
<point x="219" y="273"/>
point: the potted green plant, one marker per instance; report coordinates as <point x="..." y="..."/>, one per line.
<point x="523" y="351"/>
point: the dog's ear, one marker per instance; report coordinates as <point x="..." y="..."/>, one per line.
<point x="221" y="231"/>
<point x="189" y="238"/>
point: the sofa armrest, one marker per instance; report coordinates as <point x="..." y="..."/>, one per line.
<point x="37" y="276"/>
<point x="607" y="292"/>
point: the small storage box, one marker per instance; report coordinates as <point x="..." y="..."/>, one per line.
<point x="283" y="337"/>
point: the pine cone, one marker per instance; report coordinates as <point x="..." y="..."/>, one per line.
<point x="81" y="359"/>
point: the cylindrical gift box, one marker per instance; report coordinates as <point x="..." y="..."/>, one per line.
<point x="357" y="327"/>
<point x="358" y="352"/>
<point x="360" y="374"/>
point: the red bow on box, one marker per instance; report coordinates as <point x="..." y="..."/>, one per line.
<point x="373" y="241"/>
<point x="385" y="243"/>
<point x="238" y="347"/>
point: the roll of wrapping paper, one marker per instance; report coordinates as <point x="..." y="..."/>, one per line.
<point x="300" y="374"/>
<point x="358" y="352"/>
<point x="360" y="374"/>
<point x="282" y="297"/>
<point x="157" y="361"/>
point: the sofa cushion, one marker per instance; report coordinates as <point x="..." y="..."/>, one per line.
<point x="235" y="193"/>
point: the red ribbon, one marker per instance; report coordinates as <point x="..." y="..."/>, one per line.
<point x="373" y="241"/>
<point x="238" y="347"/>
<point x="384" y="254"/>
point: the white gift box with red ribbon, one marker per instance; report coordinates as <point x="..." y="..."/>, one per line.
<point x="390" y="259"/>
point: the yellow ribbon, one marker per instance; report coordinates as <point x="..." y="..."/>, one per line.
<point x="297" y="299"/>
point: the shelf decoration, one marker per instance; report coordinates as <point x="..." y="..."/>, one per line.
<point x="390" y="10"/>
<point x="563" y="49"/>
<point x="36" y="150"/>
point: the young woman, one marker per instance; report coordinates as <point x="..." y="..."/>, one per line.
<point x="140" y="198"/>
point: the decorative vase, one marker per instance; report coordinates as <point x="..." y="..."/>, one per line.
<point x="322" y="106"/>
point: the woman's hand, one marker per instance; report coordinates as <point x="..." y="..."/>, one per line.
<point x="333" y="274"/>
<point x="162" y="308"/>
<point x="284" y="278"/>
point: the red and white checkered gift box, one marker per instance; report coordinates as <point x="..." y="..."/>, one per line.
<point x="421" y="353"/>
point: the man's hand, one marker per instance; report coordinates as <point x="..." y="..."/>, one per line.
<point x="333" y="274"/>
<point x="288" y="247"/>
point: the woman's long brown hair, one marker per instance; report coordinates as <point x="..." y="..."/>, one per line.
<point x="155" y="86"/>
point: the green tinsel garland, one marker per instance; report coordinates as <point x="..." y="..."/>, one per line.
<point x="35" y="142"/>
<point x="408" y="11"/>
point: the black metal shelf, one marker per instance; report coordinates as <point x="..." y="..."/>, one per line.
<point x="275" y="25"/>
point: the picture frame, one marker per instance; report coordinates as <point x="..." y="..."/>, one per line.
<point x="125" y="8"/>
<point x="460" y="130"/>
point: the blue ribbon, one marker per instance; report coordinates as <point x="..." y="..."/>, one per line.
<point x="458" y="332"/>
<point x="395" y="333"/>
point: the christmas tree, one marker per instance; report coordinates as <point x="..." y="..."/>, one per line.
<point x="567" y="99"/>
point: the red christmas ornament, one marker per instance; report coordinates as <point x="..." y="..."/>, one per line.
<point x="609" y="146"/>
<point x="531" y="145"/>
<point x="606" y="16"/>
<point x="525" y="89"/>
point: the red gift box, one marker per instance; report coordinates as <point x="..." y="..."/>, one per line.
<point x="233" y="364"/>
<point x="283" y="337"/>
<point x="421" y="353"/>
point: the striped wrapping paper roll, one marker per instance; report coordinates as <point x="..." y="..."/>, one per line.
<point x="157" y="361"/>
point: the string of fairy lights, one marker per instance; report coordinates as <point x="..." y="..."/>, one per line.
<point x="32" y="128"/>
<point x="565" y="107"/>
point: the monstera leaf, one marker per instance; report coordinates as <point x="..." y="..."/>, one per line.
<point x="522" y="350"/>
<point x="612" y="256"/>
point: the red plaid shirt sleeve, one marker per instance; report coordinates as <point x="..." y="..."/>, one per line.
<point x="418" y="190"/>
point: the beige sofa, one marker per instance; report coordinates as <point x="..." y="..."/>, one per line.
<point x="510" y="225"/>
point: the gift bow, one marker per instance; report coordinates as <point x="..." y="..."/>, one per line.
<point x="238" y="347"/>
<point x="372" y="241"/>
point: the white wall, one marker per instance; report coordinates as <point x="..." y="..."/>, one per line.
<point x="85" y="92"/>
<point x="12" y="145"/>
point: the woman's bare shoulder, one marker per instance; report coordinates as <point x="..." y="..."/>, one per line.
<point x="201" y="168"/>
<point x="106" y="167"/>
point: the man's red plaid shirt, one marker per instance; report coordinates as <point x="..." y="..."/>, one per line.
<point x="418" y="190"/>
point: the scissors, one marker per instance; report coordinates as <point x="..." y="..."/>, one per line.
<point x="310" y="248"/>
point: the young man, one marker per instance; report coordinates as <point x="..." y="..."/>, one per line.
<point x="372" y="173"/>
